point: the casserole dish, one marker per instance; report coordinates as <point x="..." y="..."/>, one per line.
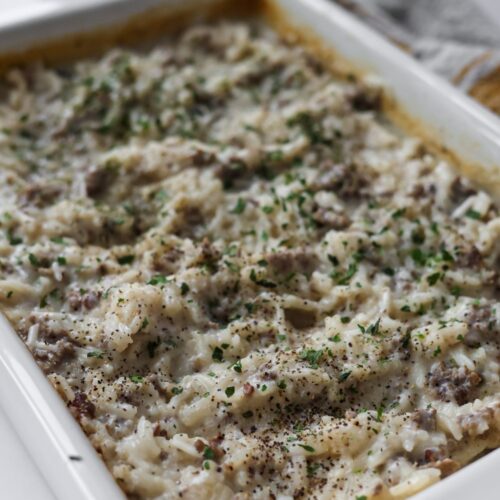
<point x="423" y="97"/>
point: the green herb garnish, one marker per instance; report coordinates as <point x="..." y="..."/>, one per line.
<point x="95" y="354"/>
<point x="312" y="356"/>
<point x="473" y="214"/>
<point x="239" y="207"/>
<point x="125" y="259"/>
<point x="218" y="354"/>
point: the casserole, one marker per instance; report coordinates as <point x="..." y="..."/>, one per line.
<point x="484" y="151"/>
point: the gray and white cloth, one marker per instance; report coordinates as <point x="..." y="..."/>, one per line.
<point x="454" y="38"/>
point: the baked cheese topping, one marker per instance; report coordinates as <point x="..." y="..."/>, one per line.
<point x="242" y="279"/>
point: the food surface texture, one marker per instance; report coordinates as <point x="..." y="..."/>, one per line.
<point x="243" y="280"/>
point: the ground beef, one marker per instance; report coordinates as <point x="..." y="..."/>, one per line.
<point x="300" y="318"/>
<point x="366" y="99"/>
<point x="471" y="258"/>
<point x="98" y="179"/>
<point x="482" y="325"/>
<point x="447" y="466"/>
<point x="190" y="223"/>
<point x="330" y="219"/>
<point x="48" y="360"/>
<point x="202" y="158"/>
<point x="460" y="190"/>
<point x="81" y="407"/>
<point x="478" y="423"/>
<point x="199" y="445"/>
<point x="453" y="383"/>
<point x="288" y="261"/>
<point x="248" y="389"/>
<point x="219" y="310"/>
<point x="229" y="173"/>
<point x="425" y="419"/>
<point x="346" y="181"/>
<point x="88" y="300"/>
<point x="40" y="195"/>
<point x="167" y="262"/>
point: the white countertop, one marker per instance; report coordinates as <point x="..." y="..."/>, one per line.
<point x="19" y="477"/>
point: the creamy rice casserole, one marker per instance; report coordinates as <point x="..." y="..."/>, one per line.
<point x="241" y="278"/>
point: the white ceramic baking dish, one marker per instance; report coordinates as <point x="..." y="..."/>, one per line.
<point x="55" y="441"/>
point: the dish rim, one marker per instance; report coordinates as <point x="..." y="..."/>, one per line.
<point x="43" y="412"/>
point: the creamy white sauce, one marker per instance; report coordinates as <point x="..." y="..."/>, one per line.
<point x="243" y="284"/>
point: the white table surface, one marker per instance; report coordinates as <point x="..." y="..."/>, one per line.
<point x="19" y="476"/>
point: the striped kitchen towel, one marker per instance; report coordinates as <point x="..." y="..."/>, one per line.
<point x="454" y="38"/>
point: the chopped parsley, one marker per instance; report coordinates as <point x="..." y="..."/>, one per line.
<point x="262" y="282"/>
<point x="282" y="384"/>
<point x="152" y="347"/>
<point x="34" y="260"/>
<point x="374" y="328"/>
<point x="232" y="266"/>
<point x="446" y="256"/>
<point x="231" y="251"/>
<point x="436" y="352"/>
<point x="473" y="214"/>
<point x="312" y="356"/>
<point x="13" y="240"/>
<point x="95" y="354"/>
<point x="418" y="256"/>
<point x="434" y="278"/>
<point x="389" y="271"/>
<point x="157" y="280"/>
<point x="309" y="125"/>
<point x="333" y="259"/>
<point x="58" y="239"/>
<point x="208" y="453"/>
<point x="240" y="206"/>
<point x="344" y="279"/>
<point x="311" y="469"/>
<point x="398" y="213"/>
<point x="306" y="447"/>
<point x="218" y="354"/>
<point x="125" y="259"/>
